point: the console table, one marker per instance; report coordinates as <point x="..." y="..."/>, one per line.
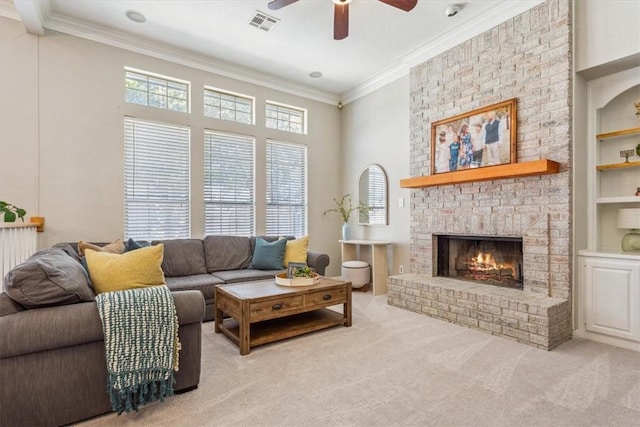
<point x="379" y="273"/>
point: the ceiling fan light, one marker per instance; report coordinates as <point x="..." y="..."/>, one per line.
<point x="341" y="2"/>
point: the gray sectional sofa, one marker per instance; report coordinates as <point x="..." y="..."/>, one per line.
<point x="201" y="264"/>
<point x="52" y="358"/>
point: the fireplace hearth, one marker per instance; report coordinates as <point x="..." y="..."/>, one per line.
<point x="489" y="260"/>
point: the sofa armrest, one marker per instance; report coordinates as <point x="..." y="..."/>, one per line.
<point x="318" y="261"/>
<point x="47" y="328"/>
<point x="189" y="306"/>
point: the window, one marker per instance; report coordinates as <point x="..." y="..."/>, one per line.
<point x="156" y="91"/>
<point x="228" y="106"/>
<point x="228" y="184"/>
<point x="377" y="185"/>
<point x="286" y="118"/>
<point x="286" y="189"/>
<point x="156" y="179"/>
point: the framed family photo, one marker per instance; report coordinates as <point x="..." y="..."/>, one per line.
<point x="480" y="138"/>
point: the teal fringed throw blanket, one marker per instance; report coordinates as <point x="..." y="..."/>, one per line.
<point x="141" y="344"/>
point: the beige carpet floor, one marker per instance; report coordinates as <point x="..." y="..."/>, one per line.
<point x="398" y="368"/>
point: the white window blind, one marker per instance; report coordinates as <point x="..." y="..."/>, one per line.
<point x="377" y="196"/>
<point x="156" y="91"/>
<point x="286" y="189"/>
<point x="228" y="106"/>
<point x="229" y="184"/>
<point x="156" y="169"/>
<point x="285" y="118"/>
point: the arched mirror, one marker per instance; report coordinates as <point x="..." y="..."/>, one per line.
<point x="372" y="192"/>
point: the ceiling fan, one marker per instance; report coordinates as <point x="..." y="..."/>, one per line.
<point x="341" y="12"/>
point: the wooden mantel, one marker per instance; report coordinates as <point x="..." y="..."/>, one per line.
<point x="487" y="173"/>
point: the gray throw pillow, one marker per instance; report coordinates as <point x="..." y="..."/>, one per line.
<point x="49" y="277"/>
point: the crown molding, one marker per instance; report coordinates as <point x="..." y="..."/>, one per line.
<point x="500" y="12"/>
<point x="167" y="52"/>
<point x="37" y="15"/>
<point x="8" y="10"/>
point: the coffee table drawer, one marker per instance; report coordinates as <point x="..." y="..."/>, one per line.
<point x="326" y="297"/>
<point x="275" y="307"/>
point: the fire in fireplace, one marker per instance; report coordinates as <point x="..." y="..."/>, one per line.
<point x="489" y="260"/>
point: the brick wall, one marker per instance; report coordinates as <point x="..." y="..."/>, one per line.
<point x="528" y="58"/>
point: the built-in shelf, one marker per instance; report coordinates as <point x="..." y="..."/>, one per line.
<point x="618" y="133"/>
<point x="622" y="199"/>
<point x="487" y="173"/>
<point x="622" y="165"/>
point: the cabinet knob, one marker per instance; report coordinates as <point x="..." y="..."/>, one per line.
<point x="276" y="306"/>
<point x="326" y="297"/>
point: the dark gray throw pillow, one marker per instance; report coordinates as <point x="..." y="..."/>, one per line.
<point x="49" y="277"/>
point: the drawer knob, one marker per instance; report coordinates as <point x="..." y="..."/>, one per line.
<point x="326" y="297"/>
<point x="276" y="306"/>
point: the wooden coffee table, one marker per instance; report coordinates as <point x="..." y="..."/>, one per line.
<point x="263" y="312"/>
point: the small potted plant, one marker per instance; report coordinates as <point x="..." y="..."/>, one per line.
<point x="11" y="212"/>
<point x="344" y="208"/>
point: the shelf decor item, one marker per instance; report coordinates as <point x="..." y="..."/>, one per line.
<point x="626" y="154"/>
<point x="630" y="219"/>
<point x="637" y="105"/>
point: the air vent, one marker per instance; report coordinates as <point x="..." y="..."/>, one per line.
<point x="263" y="21"/>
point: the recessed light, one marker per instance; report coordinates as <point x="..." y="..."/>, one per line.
<point x="135" y="16"/>
<point x="315" y="74"/>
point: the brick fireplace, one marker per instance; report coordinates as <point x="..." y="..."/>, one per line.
<point x="528" y="58"/>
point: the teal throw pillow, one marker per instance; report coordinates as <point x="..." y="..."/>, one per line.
<point x="268" y="256"/>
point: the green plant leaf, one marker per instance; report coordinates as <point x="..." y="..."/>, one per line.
<point x="9" y="216"/>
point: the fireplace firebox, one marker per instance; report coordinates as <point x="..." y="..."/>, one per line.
<point x="483" y="259"/>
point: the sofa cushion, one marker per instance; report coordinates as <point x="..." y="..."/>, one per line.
<point x="115" y="247"/>
<point x="237" y="276"/>
<point x="296" y="250"/>
<point x="205" y="283"/>
<point x="135" y="269"/>
<point x="8" y="306"/>
<point x="183" y="257"/>
<point x="227" y="253"/>
<point x="49" y="277"/>
<point x="268" y="255"/>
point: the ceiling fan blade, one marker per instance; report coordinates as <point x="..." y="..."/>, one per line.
<point x="405" y="5"/>
<point x="340" y="21"/>
<point x="279" y="4"/>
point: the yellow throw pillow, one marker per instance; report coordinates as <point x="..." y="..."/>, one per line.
<point x="115" y="247"/>
<point x="296" y="250"/>
<point x="118" y="272"/>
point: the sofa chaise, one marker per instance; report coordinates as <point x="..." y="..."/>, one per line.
<point x="52" y="360"/>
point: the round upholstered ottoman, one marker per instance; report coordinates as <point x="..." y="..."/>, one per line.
<point x="356" y="272"/>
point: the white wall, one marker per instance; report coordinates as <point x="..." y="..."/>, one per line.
<point x="61" y="136"/>
<point x="606" y="31"/>
<point x="375" y="129"/>
<point x="18" y="116"/>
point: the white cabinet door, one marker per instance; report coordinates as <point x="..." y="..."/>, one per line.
<point x="612" y="297"/>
